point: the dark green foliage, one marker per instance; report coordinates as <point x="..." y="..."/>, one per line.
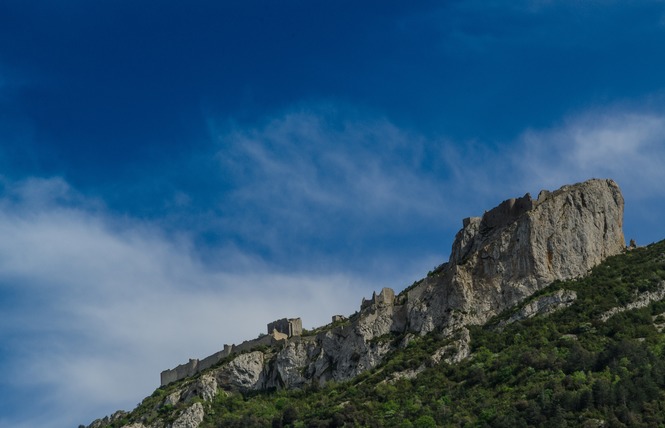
<point x="567" y="369"/>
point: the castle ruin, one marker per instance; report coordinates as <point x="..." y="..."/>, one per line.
<point x="385" y="298"/>
<point x="290" y="327"/>
<point x="507" y="212"/>
<point x="277" y="331"/>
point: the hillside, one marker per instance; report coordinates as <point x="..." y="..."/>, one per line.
<point x="540" y="317"/>
<point x="566" y="368"/>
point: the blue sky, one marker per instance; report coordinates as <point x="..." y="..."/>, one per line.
<point x="174" y="176"/>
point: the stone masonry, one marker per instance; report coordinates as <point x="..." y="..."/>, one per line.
<point x="277" y="331"/>
<point x="290" y="327"/>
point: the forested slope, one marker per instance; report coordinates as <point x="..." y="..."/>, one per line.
<point x="584" y="365"/>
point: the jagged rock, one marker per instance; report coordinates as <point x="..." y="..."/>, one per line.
<point x="244" y="373"/>
<point x="205" y="387"/>
<point x="134" y="425"/>
<point x="455" y="351"/>
<point x="350" y="350"/>
<point x="518" y="248"/>
<point x="642" y="301"/>
<point x="173" y="398"/>
<point x="289" y="362"/>
<point x="544" y="305"/>
<point x="190" y="417"/>
<point x="380" y="316"/>
<point x="497" y="261"/>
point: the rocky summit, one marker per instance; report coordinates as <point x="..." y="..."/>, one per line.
<point x="516" y="249"/>
<point x="497" y="260"/>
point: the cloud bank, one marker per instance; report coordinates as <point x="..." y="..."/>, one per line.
<point x="94" y="306"/>
<point x="630" y="147"/>
<point x="623" y="144"/>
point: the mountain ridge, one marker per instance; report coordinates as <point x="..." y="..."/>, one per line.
<point x="497" y="261"/>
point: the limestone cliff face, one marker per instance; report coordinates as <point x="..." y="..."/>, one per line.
<point x="497" y="260"/>
<point x="518" y="248"/>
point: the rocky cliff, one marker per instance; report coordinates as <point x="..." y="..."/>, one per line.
<point x="516" y="249"/>
<point x="496" y="261"/>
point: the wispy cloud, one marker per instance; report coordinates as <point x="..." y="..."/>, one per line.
<point x="627" y="146"/>
<point x="306" y="158"/>
<point x="312" y="173"/>
<point x="94" y="307"/>
<point x="315" y="172"/>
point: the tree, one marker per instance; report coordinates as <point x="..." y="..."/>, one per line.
<point x="289" y="416"/>
<point x="425" y="421"/>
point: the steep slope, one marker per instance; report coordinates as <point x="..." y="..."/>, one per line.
<point x="571" y="366"/>
<point x="497" y="261"/>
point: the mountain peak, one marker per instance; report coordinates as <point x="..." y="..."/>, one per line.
<point x="516" y="249"/>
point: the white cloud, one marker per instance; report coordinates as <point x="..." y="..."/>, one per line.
<point x="101" y="305"/>
<point x="628" y="147"/>
<point x="314" y="172"/>
<point x="305" y="158"/>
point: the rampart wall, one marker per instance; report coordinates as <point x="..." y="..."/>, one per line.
<point x="385" y="298"/>
<point x="292" y="326"/>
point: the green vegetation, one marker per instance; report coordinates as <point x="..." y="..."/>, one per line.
<point x="567" y="369"/>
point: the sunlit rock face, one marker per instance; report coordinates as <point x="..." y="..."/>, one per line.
<point x="497" y="260"/>
<point x="518" y="248"/>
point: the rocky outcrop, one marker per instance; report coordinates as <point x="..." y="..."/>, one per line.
<point x="190" y="417"/>
<point x="456" y="351"/>
<point x="641" y="301"/>
<point x="497" y="261"/>
<point x="545" y="305"/>
<point x="204" y="387"/>
<point x="517" y="249"/>
<point x="245" y="372"/>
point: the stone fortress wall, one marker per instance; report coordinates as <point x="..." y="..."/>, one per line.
<point x="507" y="212"/>
<point x="289" y="327"/>
<point x="385" y="298"/>
<point x="277" y="331"/>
